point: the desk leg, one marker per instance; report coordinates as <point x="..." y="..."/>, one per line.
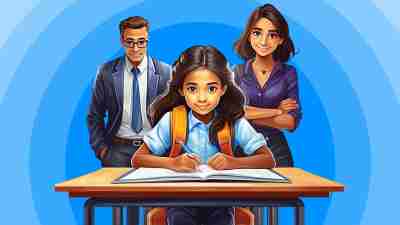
<point x="258" y="215"/>
<point x="89" y="212"/>
<point x="299" y="213"/>
<point x="273" y="216"/>
<point x="117" y="215"/>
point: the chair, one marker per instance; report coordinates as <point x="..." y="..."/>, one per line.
<point x="158" y="216"/>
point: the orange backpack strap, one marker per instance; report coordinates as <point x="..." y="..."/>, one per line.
<point x="178" y="128"/>
<point x="225" y="139"/>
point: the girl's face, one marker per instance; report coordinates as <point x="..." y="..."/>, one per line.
<point x="264" y="37"/>
<point x="202" y="90"/>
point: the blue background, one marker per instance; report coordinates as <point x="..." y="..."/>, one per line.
<point x="349" y="85"/>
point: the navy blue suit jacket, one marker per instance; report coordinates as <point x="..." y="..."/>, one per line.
<point x="107" y="98"/>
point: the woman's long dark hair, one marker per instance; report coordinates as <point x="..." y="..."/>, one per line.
<point x="230" y="107"/>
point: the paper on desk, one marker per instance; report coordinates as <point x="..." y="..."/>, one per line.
<point x="203" y="173"/>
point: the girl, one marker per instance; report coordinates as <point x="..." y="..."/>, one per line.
<point x="201" y="81"/>
<point x="268" y="82"/>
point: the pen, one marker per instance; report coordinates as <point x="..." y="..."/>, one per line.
<point x="191" y="155"/>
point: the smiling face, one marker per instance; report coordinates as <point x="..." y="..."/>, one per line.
<point x="202" y="90"/>
<point x="264" y="37"/>
<point x="135" y="44"/>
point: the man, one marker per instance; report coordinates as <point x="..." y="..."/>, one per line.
<point x="124" y="89"/>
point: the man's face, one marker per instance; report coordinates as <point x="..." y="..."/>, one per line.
<point x="135" y="44"/>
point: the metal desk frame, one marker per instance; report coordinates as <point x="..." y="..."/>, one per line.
<point x="91" y="203"/>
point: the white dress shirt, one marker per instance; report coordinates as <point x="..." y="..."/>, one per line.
<point x="125" y="130"/>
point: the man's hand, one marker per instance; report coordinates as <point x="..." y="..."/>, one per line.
<point x="186" y="163"/>
<point x="103" y="152"/>
<point x="221" y="161"/>
<point x="288" y="105"/>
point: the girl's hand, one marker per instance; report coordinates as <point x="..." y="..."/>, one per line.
<point x="288" y="105"/>
<point x="221" y="161"/>
<point x="186" y="163"/>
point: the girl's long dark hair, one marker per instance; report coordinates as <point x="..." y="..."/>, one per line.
<point x="230" y="107"/>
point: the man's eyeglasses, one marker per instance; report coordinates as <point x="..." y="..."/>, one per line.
<point x="130" y="43"/>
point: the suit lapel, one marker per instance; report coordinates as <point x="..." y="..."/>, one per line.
<point x="152" y="81"/>
<point x="118" y="77"/>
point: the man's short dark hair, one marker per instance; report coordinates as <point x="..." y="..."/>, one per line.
<point x="134" y="22"/>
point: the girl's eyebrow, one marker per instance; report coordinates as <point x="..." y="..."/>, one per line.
<point x="212" y="83"/>
<point x="191" y="83"/>
<point x="195" y="84"/>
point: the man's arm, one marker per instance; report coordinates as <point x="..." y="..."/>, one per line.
<point x="96" y="114"/>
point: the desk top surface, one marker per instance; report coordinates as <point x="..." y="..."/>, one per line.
<point x="98" y="184"/>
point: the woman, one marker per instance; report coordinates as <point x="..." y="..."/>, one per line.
<point x="269" y="84"/>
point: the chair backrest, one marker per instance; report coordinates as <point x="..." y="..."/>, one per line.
<point x="158" y="216"/>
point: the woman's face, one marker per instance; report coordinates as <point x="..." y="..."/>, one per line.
<point x="264" y="37"/>
<point x="202" y="90"/>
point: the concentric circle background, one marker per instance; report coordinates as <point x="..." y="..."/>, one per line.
<point x="349" y="84"/>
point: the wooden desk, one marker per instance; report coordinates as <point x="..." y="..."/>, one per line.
<point x="98" y="187"/>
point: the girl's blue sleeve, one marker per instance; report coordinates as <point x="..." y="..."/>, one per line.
<point x="247" y="137"/>
<point x="158" y="139"/>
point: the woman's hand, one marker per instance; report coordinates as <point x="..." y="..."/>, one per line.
<point x="221" y="161"/>
<point x="288" y="105"/>
<point x="186" y="163"/>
